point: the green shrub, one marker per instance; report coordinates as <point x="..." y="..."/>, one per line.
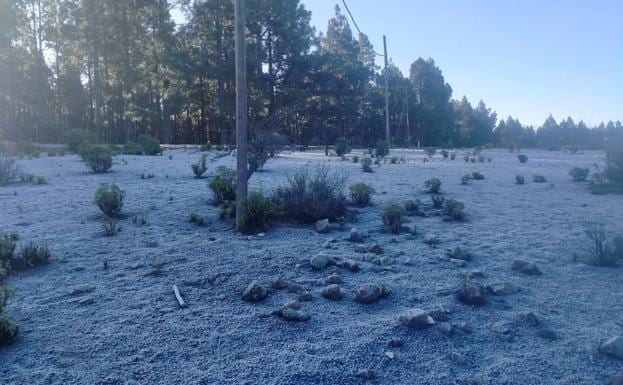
<point x="382" y="149"/>
<point x="452" y="155"/>
<point x="355" y="159"/>
<point x="32" y="254"/>
<point x="481" y="159"/>
<point x="196" y="219"/>
<point x="605" y="252"/>
<point x="519" y="179"/>
<point x="466" y="158"/>
<point x="109" y="199"/>
<point x="437" y="201"/>
<point x="522" y="158"/>
<point x="223" y="185"/>
<point x="412" y="207"/>
<point x="8" y="170"/>
<point x="366" y="164"/>
<point x="227" y="210"/>
<point x="110" y="226"/>
<point x="132" y="148"/>
<point x="200" y="168"/>
<point x="433" y="185"/>
<point x="614" y="160"/>
<point x="8" y="242"/>
<point x="445" y="153"/>
<point x="466" y="178"/>
<point x="8" y="330"/>
<point x="579" y="174"/>
<point x="76" y="137"/>
<point x="149" y="144"/>
<point x="454" y="209"/>
<point x="392" y="217"/>
<point x="430" y="151"/>
<point x="308" y="197"/>
<point x="393" y="160"/>
<point x="341" y="147"/>
<point x="361" y="194"/>
<point x="477" y="176"/>
<point x="539" y="179"/>
<point x="257" y="213"/>
<point x="97" y="158"/>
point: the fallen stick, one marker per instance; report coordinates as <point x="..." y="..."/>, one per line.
<point x="178" y="296"/>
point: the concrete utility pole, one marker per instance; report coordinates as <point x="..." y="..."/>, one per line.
<point x="241" y="108"/>
<point x="387" y="134"/>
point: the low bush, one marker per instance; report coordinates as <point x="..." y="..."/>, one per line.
<point x="433" y="185"/>
<point x="481" y="159"/>
<point x="308" y="197"/>
<point x="32" y="254"/>
<point x="355" y="159"/>
<point x="361" y="194"/>
<point x="8" y="243"/>
<point x="465" y="179"/>
<point x="579" y="174"/>
<point x="109" y="198"/>
<point x="453" y="155"/>
<point x="392" y="217"/>
<point x="8" y="170"/>
<point x="264" y="142"/>
<point x="437" y="201"/>
<point x="522" y="158"/>
<point x="605" y="251"/>
<point x="200" y="168"/>
<point x="341" y="147"/>
<point x="466" y="158"/>
<point x="223" y="185"/>
<point x="97" y="158"/>
<point x="196" y="219"/>
<point x="454" y="209"/>
<point x="366" y="164"/>
<point x="149" y="144"/>
<point x="477" y="176"/>
<point x="393" y="160"/>
<point x="76" y="137"/>
<point x="445" y="153"/>
<point x="132" y="148"/>
<point x="539" y="179"/>
<point x="382" y="149"/>
<point x="519" y="179"/>
<point x="257" y="213"/>
<point x="412" y="207"/>
<point x="430" y="151"/>
<point x="110" y="226"/>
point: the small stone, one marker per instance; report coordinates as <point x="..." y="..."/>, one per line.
<point x="525" y="267"/>
<point x="333" y="278"/>
<point x="295" y="315"/>
<point x="383" y="261"/>
<point x="323" y="226"/>
<point x="431" y="240"/>
<point x="547" y="334"/>
<point x="365" y="374"/>
<point x="472" y="293"/>
<point x="503" y="288"/>
<point x="499" y="328"/>
<point x="395" y="343"/>
<point x="445" y="328"/>
<point x="440" y="314"/>
<point x="295" y="288"/>
<point x="374" y="248"/>
<point x="369" y="293"/>
<point x="82" y="290"/>
<point x="349" y="265"/>
<point x="355" y="235"/>
<point x="279" y="283"/>
<point x="361" y="248"/>
<point x="390" y="355"/>
<point x="457" y="358"/>
<point x="416" y="319"/>
<point x="458" y="262"/>
<point x="613" y="347"/>
<point x="466" y="327"/>
<point x="530" y="318"/>
<point x="254" y="292"/>
<point x="305" y="296"/>
<point x="319" y="261"/>
<point x="460" y="253"/>
<point x="473" y="274"/>
<point x="86" y="301"/>
<point x="332" y="292"/>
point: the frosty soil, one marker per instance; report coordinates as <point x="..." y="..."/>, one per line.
<point x="103" y="311"/>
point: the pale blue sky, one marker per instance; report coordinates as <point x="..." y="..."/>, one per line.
<point x="525" y="58"/>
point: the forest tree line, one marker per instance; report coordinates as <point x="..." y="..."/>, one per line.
<point x="122" y="68"/>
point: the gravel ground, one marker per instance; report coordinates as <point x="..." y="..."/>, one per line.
<point x="135" y="333"/>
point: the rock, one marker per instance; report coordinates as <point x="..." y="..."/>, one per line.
<point x="332" y="292"/>
<point x="361" y="248"/>
<point x="355" y="235"/>
<point x="458" y="262"/>
<point x="457" y="358"/>
<point x="254" y="292"/>
<point x="525" y="267"/>
<point x="466" y="327"/>
<point x="503" y="288"/>
<point x="295" y="288"/>
<point x="374" y="248"/>
<point x="333" y="278"/>
<point x="409" y="229"/>
<point x="613" y="347"/>
<point x="445" y="328"/>
<point x="547" y="334"/>
<point x="305" y="296"/>
<point x="617" y="379"/>
<point x="383" y="261"/>
<point x="82" y="290"/>
<point x="390" y="355"/>
<point x="319" y="261"/>
<point x="416" y="319"/>
<point x="473" y="274"/>
<point x="431" y="240"/>
<point x="349" y="265"/>
<point x="530" y="318"/>
<point x="279" y="283"/>
<point x="460" y="253"/>
<point x="365" y="374"/>
<point x="472" y="293"/>
<point x="86" y="301"/>
<point x="440" y="314"/>
<point x="369" y="293"/>
<point x="295" y="315"/>
<point x="395" y="343"/>
<point x="500" y="328"/>
<point x="323" y="226"/>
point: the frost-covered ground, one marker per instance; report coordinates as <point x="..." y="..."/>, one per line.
<point x="135" y="333"/>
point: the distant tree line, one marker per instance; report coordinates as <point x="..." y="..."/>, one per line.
<point x="122" y="68"/>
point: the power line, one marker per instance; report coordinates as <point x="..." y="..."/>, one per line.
<point x="356" y="26"/>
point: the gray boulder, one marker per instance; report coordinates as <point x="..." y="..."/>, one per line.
<point x="254" y="292"/>
<point x="370" y="292"/>
<point x="525" y="267"/>
<point x="323" y="226"/>
<point x="472" y="293"/>
<point x="320" y="261"/>
<point x="332" y="292"/>
<point x="416" y="319"/>
<point x="613" y="347"/>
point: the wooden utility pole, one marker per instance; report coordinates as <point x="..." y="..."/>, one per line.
<point x="387" y="134"/>
<point x="241" y="108"/>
